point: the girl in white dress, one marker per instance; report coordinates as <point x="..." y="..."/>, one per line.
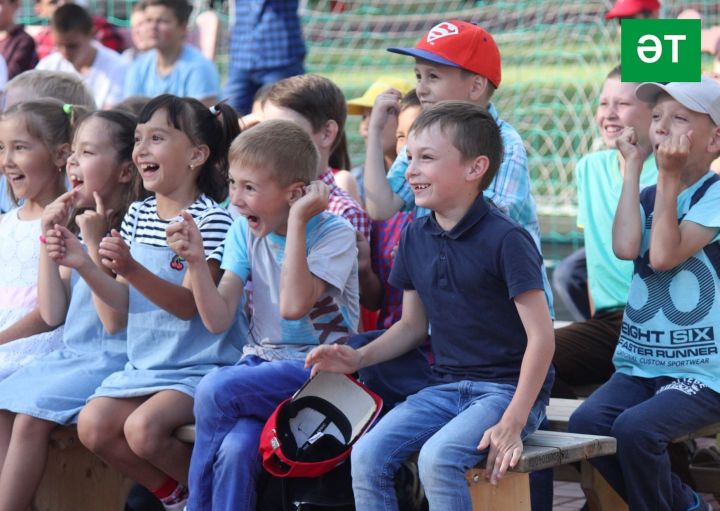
<point x="34" y="146"/>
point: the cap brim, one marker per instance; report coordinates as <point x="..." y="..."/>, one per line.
<point x="649" y="91"/>
<point x="423" y="54"/>
<point x="357" y="105"/>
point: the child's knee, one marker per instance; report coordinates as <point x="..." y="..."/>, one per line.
<point x="96" y="430"/>
<point x="586" y="420"/>
<point x="631" y="429"/>
<point x="366" y="458"/>
<point x="143" y="434"/>
<point x="434" y="463"/>
<point x="212" y="391"/>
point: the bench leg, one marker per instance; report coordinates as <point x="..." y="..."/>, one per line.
<point x="77" y="480"/>
<point x="512" y="492"/>
<point x="600" y="495"/>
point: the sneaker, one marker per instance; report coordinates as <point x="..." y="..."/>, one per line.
<point x="177" y="500"/>
<point x="179" y="506"/>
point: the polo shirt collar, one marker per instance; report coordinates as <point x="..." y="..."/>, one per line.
<point x="477" y="211"/>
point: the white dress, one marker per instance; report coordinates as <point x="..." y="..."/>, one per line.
<point x="19" y="255"/>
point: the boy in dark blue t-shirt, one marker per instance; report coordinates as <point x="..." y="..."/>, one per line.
<point x="474" y="275"/>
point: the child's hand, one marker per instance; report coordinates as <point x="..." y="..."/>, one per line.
<point x="312" y="202"/>
<point x="627" y="144"/>
<point x="386" y="104"/>
<point x="673" y="153"/>
<point x="505" y="449"/>
<point x="116" y="254"/>
<point x="57" y="212"/>
<point x="64" y="248"/>
<point x="333" y="358"/>
<point x="185" y="240"/>
<point x="94" y="224"/>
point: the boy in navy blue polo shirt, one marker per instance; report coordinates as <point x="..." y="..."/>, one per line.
<point x="475" y="275"/>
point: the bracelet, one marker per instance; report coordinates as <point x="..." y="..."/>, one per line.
<point x="43" y="240"/>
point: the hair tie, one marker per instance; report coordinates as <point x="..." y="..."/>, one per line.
<point x="67" y="108"/>
<point x="215" y="110"/>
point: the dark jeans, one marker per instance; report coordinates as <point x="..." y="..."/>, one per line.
<point x="644" y="415"/>
<point x="569" y="280"/>
<point x="242" y="84"/>
<point x="584" y="351"/>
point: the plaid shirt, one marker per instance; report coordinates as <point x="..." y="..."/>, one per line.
<point x="509" y="190"/>
<point x="266" y="34"/>
<point x="342" y="204"/>
<point x="107" y="34"/>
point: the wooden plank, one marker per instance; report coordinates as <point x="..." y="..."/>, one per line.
<point x="546" y="449"/>
<point x="186" y="433"/>
<point x="600" y="495"/>
<point x="511" y="493"/>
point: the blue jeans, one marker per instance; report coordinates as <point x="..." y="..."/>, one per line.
<point x="644" y="415"/>
<point x="232" y="405"/>
<point x="242" y="84"/>
<point x="445" y="423"/>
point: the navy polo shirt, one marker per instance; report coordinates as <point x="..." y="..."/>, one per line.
<point x="467" y="279"/>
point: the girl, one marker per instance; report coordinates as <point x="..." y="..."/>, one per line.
<point x="52" y="391"/>
<point x="34" y="146"/>
<point x="181" y="152"/>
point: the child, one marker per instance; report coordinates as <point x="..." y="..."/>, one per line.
<point x="318" y="106"/>
<point x="363" y="106"/>
<point x="488" y="373"/>
<point x="455" y="60"/>
<point x="583" y="351"/>
<point x="171" y="66"/>
<point x="302" y="262"/>
<point x="37" y="84"/>
<point x="51" y="391"/>
<point x="138" y="34"/>
<point x="16" y="46"/>
<point x="102" y="69"/>
<point x="667" y="379"/>
<point x="181" y="154"/>
<point x="34" y="145"/>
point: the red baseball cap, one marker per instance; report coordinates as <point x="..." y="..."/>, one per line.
<point x="459" y="44"/>
<point x="625" y="8"/>
<point x="313" y="432"/>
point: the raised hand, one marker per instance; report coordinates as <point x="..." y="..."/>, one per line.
<point x="58" y="211"/>
<point x="386" y="104"/>
<point x="312" y="202"/>
<point x="333" y="358"/>
<point x="116" y="254"/>
<point x="627" y="144"/>
<point x="64" y="248"/>
<point x="185" y="240"/>
<point x="672" y="153"/>
<point x="94" y="225"/>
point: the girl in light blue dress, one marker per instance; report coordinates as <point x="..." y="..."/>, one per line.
<point x="181" y="153"/>
<point x="52" y="390"/>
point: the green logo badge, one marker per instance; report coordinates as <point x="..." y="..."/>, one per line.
<point x="660" y="50"/>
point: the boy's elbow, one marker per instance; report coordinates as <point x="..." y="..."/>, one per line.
<point x="624" y="252"/>
<point x="293" y="311"/>
<point x="660" y="262"/>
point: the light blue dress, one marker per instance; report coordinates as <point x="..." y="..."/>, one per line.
<point x="57" y="386"/>
<point x="165" y="352"/>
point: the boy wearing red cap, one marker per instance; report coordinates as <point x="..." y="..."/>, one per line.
<point x="455" y="60"/>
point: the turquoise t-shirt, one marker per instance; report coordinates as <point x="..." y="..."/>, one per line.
<point x="599" y="184"/>
<point x="671" y="317"/>
<point x="193" y="76"/>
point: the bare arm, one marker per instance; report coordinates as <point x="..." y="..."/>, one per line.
<point x="300" y="289"/>
<point x="381" y="202"/>
<point x="672" y="244"/>
<point x="627" y="224"/>
<point x="30" y="324"/>
<point x="408" y="333"/>
<point x="53" y="290"/>
<point x="503" y="439"/>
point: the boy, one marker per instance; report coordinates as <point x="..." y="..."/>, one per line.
<point x="102" y="69"/>
<point x="318" y="106"/>
<point x="667" y="379"/>
<point x="171" y="67"/>
<point x="455" y="60"/>
<point x="16" y="46"/>
<point x="302" y="262"/>
<point x="583" y="350"/>
<point x="491" y="377"/>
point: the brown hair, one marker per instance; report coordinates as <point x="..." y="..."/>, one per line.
<point x="60" y="85"/>
<point x="470" y="129"/>
<point x="314" y="97"/>
<point x="71" y="18"/>
<point x="180" y="8"/>
<point x="281" y="147"/>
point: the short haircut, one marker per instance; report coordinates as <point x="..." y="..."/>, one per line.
<point x="314" y="97"/>
<point x="71" y="18"/>
<point x="40" y="83"/>
<point x="614" y="72"/>
<point x="470" y="129"/>
<point x="281" y="147"/>
<point x="180" y="8"/>
<point x="410" y="100"/>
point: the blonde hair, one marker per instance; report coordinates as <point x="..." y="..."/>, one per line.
<point x="281" y="147"/>
<point x="41" y="83"/>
